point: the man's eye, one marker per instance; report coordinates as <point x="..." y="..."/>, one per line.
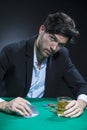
<point x="52" y="39"/>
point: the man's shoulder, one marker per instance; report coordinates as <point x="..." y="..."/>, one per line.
<point x="63" y="52"/>
<point x="15" y="46"/>
<point x="13" y="49"/>
<point x="19" y="45"/>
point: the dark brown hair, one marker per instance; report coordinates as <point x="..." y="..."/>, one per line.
<point x="61" y="23"/>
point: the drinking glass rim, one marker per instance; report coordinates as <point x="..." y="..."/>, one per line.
<point x="64" y="97"/>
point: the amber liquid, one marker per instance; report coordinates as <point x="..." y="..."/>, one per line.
<point x="61" y="105"/>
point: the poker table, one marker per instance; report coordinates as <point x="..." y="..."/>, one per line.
<point x="46" y="119"/>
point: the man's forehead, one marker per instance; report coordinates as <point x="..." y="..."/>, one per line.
<point x="61" y="37"/>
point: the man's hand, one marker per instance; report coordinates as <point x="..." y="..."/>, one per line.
<point x="17" y="105"/>
<point x="75" y="108"/>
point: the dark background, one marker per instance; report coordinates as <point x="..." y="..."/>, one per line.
<point x="21" y="19"/>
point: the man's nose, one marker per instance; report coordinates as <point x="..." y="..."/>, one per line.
<point x="54" y="47"/>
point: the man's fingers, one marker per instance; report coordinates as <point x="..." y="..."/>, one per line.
<point x="74" y="108"/>
<point x="72" y="112"/>
<point x="21" y="110"/>
<point x="25" y="108"/>
<point x="71" y="104"/>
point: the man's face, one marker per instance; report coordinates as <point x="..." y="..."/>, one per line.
<point x="49" y="44"/>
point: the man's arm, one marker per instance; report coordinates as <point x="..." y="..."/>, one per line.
<point x="73" y="78"/>
<point x="76" y="82"/>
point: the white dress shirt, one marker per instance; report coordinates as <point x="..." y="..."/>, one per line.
<point x="38" y="79"/>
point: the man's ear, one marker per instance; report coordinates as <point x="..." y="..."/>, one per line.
<point x="42" y="29"/>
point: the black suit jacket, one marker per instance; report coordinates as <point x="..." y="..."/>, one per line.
<point x="16" y="65"/>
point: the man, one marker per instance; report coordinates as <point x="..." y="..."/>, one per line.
<point x="35" y="68"/>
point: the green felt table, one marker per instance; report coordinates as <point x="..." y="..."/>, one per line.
<point x="45" y="120"/>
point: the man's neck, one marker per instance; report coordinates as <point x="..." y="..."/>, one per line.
<point x="40" y="58"/>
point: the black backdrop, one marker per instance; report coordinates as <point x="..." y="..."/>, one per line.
<point x="21" y="19"/>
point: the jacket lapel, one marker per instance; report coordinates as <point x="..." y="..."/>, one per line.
<point x="29" y="55"/>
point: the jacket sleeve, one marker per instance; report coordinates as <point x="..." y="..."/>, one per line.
<point x="4" y="64"/>
<point x="73" y="77"/>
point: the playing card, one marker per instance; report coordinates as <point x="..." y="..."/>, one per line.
<point x="34" y="111"/>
